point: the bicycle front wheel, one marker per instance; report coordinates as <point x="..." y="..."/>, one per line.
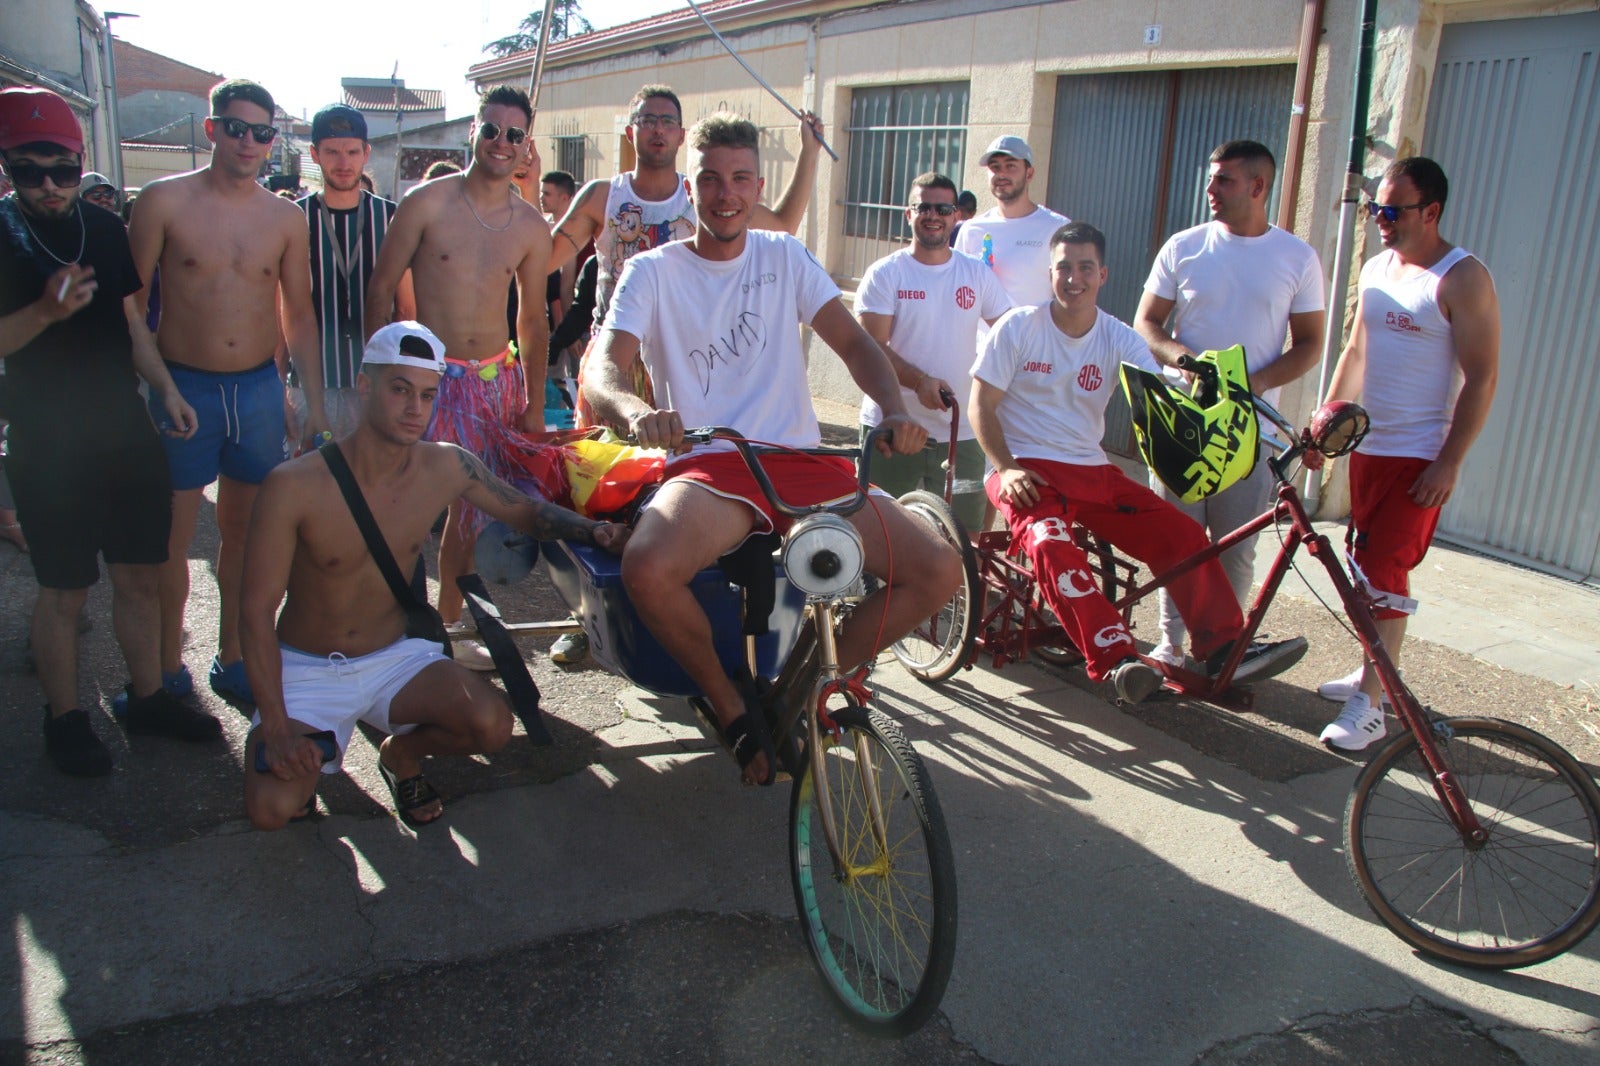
<point x="881" y="921"/>
<point x="940" y="646"/>
<point x="1528" y="893"/>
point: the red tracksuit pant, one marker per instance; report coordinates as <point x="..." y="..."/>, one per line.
<point x="1137" y="522"/>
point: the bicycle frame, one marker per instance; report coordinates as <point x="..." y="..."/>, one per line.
<point x="1358" y="607"/>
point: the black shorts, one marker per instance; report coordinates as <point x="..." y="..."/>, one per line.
<point x="75" y="507"/>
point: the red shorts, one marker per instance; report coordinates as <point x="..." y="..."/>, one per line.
<point x="1389" y="534"/>
<point x="801" y="481"/>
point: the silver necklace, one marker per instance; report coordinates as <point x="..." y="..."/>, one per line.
<point x="83" y="236"/>
<point x="462" y="188"/>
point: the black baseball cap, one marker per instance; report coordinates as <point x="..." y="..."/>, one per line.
<point x="338" y="120"/>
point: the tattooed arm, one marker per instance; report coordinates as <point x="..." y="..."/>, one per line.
<point x="538" y="518"/>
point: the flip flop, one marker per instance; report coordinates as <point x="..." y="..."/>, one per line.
<point x="746" y="737"/>
<point x="409" y="794"/>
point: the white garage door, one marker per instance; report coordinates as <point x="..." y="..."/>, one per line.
<point x="1514" y="119"/>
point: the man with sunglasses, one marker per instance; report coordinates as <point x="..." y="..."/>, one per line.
<point x="922" y="305"/>
<point x="346" y="226"/>
<point x="234" y="263"/>
<point x="1423" y="358"/>
<point x="1236" y="279"/>
<point x="463" y="237"/>
<point x="85" y="463"/>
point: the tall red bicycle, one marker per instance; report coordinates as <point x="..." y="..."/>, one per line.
<point x="1475" y="840"/>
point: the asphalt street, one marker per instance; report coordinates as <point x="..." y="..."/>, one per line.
<point x="1167" y="886"/>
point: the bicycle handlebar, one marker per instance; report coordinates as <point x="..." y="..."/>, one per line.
<point x="748" y="450"/>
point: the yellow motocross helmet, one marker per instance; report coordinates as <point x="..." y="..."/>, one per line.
<point x="1202" y="442"/>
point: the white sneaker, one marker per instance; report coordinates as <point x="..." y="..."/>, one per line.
<point x="569" y="648"/>
<point x="1167" y="653"/>
<point x="1359" y="725"/>
<point x="1342" y="688"/>
<point x="473" y="655"/>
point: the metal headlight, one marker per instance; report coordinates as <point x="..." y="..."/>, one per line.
<point x="823" y="555"/>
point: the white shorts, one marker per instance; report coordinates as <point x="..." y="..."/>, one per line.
<point x="333" y="692"/>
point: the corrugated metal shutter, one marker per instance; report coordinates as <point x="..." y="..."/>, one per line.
<point x="1514" y="119"/>
<point x="1106" y="165"/>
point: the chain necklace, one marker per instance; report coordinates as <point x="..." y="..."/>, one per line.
<point x="462" y="188"/>
<point x="83" y="236"/>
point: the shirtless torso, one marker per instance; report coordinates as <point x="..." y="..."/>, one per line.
<point x="235" y="265"/>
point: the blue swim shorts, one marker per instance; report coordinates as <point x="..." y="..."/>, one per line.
<point x="241" y="434"/>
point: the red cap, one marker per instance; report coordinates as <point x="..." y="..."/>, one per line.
<point x="29" y="115"/>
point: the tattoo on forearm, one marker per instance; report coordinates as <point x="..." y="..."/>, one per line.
<point x="550" y="521"/>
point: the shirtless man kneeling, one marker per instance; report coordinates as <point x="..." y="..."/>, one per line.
<point x="339" y="653"/>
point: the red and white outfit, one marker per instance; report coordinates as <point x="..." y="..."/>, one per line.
<point x="721" y="341"/>
<point x="1053" y="415"/>
<point x="1409" y="388"/>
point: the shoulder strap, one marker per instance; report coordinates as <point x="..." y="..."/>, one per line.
<point x="370" y="532"/>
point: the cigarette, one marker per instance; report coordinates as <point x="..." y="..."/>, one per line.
<point x="61" y="294"/>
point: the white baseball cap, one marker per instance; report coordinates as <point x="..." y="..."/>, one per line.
<point x="405" y="344"/>
<point x="1010" y="145"/>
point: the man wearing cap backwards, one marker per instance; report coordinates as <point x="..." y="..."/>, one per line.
<point x="233" y="261"/>
<point x="1236" y="279"/>
<point x="465" y="237"/>
<point x="338" y="653"/>
<point x="1013" y="237"/>
<point x="86" y="466"/>
<point x="346" y="226"/>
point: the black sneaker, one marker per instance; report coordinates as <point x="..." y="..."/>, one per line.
<point x="1134" y="680"/>
<point x="70" y="742"/>
<point x="1261" y="660"/>
<point x="160" y="714"/>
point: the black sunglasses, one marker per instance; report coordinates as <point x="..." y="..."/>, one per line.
<point x="942" y="210"/>
<point x="490" y="132"/>
<point x="1391" y="212"/>
<point x="31" y="175"/>
<point x="238" y="127"/>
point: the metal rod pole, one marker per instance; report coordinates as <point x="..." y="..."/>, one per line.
<point x="759" y="79"/>
<point x="537" y="74"/>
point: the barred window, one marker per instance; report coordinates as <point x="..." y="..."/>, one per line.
<point x="569" y="156"/>
<point x="897" y="132"/>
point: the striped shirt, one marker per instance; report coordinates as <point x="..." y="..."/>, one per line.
<point x="339" y="276"/>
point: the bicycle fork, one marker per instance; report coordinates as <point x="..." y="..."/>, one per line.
<point x="828" y="682"/>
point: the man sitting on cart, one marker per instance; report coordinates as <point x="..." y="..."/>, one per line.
<point x="715" y="320"/>
<point x="1039" y="392"/>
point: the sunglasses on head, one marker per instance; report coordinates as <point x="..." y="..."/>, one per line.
<point x="490" y="132"/>
<point x="32" y="175"/>
<point x="238" y="127"/>
<point x="1391" y="212"/>
<point x="942" y="210"/>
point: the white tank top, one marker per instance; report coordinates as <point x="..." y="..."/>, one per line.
<point x="634" y="225"/>
<point x="1412" y="374"/>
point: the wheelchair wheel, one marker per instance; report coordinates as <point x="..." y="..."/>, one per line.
<point x="941" y="645"/>
<point x="1526" y="894"/>
<point x="881" y="922"/>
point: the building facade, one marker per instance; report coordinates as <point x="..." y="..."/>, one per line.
<point x="1121" y="104"/>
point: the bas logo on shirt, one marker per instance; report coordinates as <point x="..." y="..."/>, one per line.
<point x="1089" y="378"/>
<point x="965" y="298"/>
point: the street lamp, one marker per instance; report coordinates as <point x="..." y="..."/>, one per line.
<point x="115" y="119"/>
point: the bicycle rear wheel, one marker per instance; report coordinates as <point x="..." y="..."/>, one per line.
<point x="881" y="924"/>
<point x="1527" y="894"/>
<point x="941" y="645"/>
